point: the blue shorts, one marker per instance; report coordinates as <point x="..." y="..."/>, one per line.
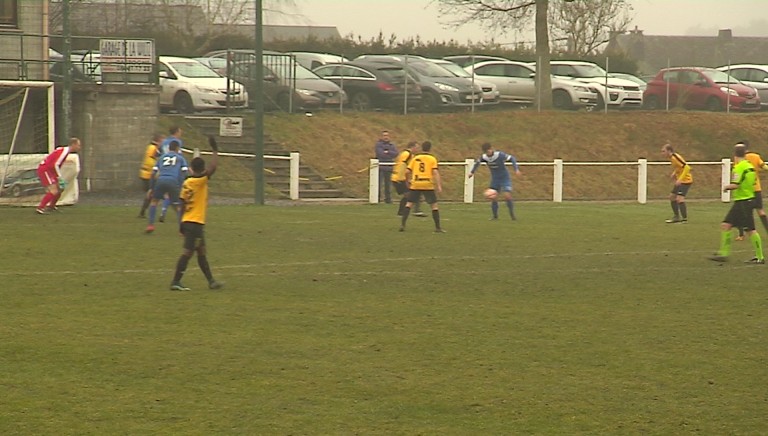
<point x="166" y="186"/>
<point x="504" y="186"/>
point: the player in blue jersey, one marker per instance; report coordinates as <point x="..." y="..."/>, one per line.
<point x="174" y="134"/>
<point x="500" y="179"/>
<point x="168" y="174"/>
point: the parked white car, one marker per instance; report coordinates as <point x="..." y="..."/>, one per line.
<point x="188" y="86"/>
<point x="619" y="93"/>
<point x="752" y="75"/>
<point x="517" y="84"/>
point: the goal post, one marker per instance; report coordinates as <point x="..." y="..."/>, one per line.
<point x="27" y="134"/>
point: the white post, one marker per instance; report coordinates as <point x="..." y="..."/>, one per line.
<point x="642" y="181"/>
<point x="293" y="184"/>
<point x="557" y="191"/>
<point x="373" y="181"/>
<point x="725" y="170"/>
<point x="469" y="184"/>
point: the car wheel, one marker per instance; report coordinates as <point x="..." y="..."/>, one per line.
<point x="16" y="191"/>
<point x="283" y="102"/>
<point x="429" y="102"/>
<point x="600" y="106"/>
<point x="361" y="102"/>
<point x="652" y="103"/>
<point x="182" y="102"/>
<point x="714" y="105"/>
<point x="561" y="99"/>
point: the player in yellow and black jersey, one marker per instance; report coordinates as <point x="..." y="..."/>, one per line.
<point x="399" y="180"/>
<point x="145" y="172"/>
<point x="424" y="178"/>
<point x="194" y="208"/>
<point x="757" y="161"/>
<point x="681" y="174"/>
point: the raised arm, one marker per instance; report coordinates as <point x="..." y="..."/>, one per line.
<point x="214" y="156"/>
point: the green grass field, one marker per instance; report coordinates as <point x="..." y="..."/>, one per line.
<point x="580" y="318"/>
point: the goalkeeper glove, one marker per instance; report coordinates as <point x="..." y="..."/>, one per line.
<point x="62" y="184"/>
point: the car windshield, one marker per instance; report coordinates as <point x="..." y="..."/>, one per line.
<point x="719" y="76"/>
<point x="215" y="62"/>
<point x="394" y="74"/>
<point x="589" y="71"/>
<point x="456" y="70"/>
<point x="285" y="67"/>
<point x="193" y="69"/>
<point x="430" y="70"/>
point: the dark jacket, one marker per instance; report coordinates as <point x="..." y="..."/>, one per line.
<point x="386" y="152"/>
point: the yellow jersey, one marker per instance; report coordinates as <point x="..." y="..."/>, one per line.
<point x="759" y="165"/>
<point x="681" y="169"/>
<point x="150" y="157"/>
<point x="423" y="167"/>
<point x="194" y="194"/>
<point x="401" y="163"/>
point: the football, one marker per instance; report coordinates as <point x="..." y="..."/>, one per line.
<point x="490" y="194"/>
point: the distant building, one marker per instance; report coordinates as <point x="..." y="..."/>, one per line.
<point x="273" y="32"/>
<point x="654" y="52"/>
<point x="23" y="49"/>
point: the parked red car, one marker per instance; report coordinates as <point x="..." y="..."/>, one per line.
<point x="699" y="88"/>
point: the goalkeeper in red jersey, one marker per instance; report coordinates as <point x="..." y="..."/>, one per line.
<point x="49" y="172"/>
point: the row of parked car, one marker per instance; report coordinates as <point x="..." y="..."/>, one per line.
<point x="308" y="81"/>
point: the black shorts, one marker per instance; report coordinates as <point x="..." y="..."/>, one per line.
<point x="400" y="187"/>
<point x="681" y="189"/>
<point x="741" y="216"/>
<point x="757" y="202"/>
<point x="194" y="237"/>
<point x="145" y="185"/>
<point x="429" y="196"/>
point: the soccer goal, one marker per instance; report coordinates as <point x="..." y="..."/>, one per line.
<point x="27" y="119"/>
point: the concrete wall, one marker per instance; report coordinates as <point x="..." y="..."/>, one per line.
<point x="26" y="43"/>
<point x="115" y="122"/>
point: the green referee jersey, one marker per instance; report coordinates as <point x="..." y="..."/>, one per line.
<point x="743" y="175"/>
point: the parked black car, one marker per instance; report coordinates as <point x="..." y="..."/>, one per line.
<point x="373" y="85"/>
<point x="21" y="182"/>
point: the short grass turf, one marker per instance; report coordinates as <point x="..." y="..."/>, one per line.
<point x="579" y="318"/>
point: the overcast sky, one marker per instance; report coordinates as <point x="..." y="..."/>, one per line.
<point x="406" y="18"/>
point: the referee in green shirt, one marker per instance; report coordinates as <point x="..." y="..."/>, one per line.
<point x="742" y="189"/>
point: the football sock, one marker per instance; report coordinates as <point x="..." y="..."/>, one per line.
<point x="764" y="220"/>
<point x="436" y="218"/>
<point x="725" y="243"/>
<point x="55" y="200"/>
<point x="495" y="209"/>
<point x="152" y="213"/>
<point x="675" y="208"/>
<point x="757" y="242"/>
<point x="741" y="231"/>
<point x="166" y="203"/>
<point x="202" y="261"/>
<point x="511" y="208"/>
<point x="683" y="210"/>
<point x="46" y="199"/>
<point x="181" y="267"/>
<point x="406" y="212"/>
<point x="144" y="206"/>
<point x="402" y="206"/>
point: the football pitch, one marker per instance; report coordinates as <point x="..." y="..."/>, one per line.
<point x="579" y="318"/>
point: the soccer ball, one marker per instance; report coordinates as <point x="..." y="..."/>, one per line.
<point x="490" y="194"/>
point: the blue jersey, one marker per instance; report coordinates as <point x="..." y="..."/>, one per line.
<point x="165" y="146"/>
<point x="171" y="166"/>
<point x="497" y="164"/>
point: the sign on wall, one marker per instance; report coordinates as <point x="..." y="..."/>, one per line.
<point x="126" y="56"/>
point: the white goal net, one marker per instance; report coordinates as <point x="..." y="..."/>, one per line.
<point x="27" y="120"/>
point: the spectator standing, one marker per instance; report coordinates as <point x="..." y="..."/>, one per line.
<point x="681" y="174"/>
<point x="385" y="152"/>
<point x="49" y="173"/>
<point x="741" y="214"/>
<point x="501" y="181"/>
<point x="145" y="172"/>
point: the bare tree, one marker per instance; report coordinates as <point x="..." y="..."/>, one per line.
<point x="506" y="16"/>
<point x="588" y="24"/>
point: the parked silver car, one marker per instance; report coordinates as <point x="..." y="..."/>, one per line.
<point x="752" y="75"/>
<point x="491" y="93"/>
<point x="441" y="89"/>
<point x="517" y="84"/>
